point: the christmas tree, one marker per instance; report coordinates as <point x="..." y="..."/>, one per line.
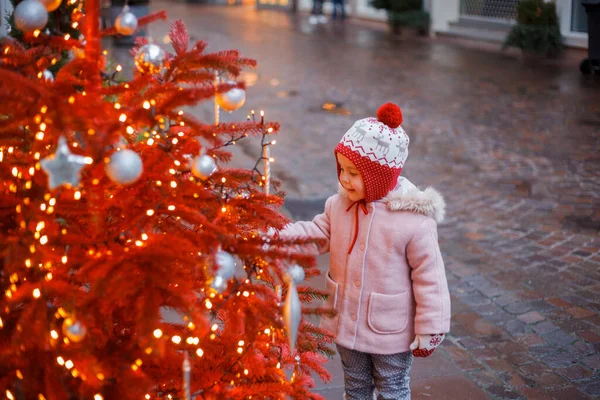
<point x="117" y="208"/>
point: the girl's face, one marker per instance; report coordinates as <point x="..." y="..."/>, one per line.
<point x="350" y="178"/>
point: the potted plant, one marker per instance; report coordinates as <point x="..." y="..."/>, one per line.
<point x="404" y="13"/>
<point x="537" y="32"/>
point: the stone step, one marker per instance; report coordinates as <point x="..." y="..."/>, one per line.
<point x="491" y="31"/>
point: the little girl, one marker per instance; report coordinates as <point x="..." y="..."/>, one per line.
<point x="386" y="278"/>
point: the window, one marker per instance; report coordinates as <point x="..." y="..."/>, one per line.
<point x="579" y="19"/>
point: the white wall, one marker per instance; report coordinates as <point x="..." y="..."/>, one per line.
<point x="573" y="39"/>
<point x="442" y="12"/>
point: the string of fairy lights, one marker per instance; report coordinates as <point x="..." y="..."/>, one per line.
<point x="148" y="59"/>
<point x="73" y="330"/>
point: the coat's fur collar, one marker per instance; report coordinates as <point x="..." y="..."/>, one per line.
<point x="407" y="197"/>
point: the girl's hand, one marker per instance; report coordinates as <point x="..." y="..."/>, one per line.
<point x="424" y="345"/>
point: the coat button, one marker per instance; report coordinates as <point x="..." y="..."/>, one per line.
<point x="353" y="317"/>
<point x="357" y="283"/>
<point x="362" y="247"/>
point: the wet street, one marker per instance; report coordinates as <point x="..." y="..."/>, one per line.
<point x="513" y="146"/>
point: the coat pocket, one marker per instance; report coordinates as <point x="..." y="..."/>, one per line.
<point x="388" y="313"/>
<point x="332" y="290"/>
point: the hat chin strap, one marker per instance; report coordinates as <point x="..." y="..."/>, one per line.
<point x="362" y="204"/>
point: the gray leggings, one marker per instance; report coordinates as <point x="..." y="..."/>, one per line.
<point x="363" y="372"/>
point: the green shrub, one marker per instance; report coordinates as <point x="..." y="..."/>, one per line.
<point x="402" y="13"/>
<point x="537" y="28"/>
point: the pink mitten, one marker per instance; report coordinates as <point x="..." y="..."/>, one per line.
<point x="424" y="345"/>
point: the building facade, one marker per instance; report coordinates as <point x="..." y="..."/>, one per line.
<point x="491" y="19"/>
<point x="481" y="19"/>
<point x="478" y="19"/>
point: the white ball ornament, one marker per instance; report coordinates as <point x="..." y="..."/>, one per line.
<point x="50" y="5"/>
<point x="125" y="167"/>
<point x="226" y="269"/>
<point x="295" y="274"/>
<point x="48" y="77"/>
<point x="231" y="100"/>
<point x="226" y="264"/>
<point x="150" y="59"/>
<point x="203" y="167"/>
<point x="126" y="22"/>
<point x="30" y="15"/>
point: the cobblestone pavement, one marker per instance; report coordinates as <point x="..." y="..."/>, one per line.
<point x="515" y="149"/>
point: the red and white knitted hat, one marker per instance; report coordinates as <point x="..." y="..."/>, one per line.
<point x="378" y="147"/>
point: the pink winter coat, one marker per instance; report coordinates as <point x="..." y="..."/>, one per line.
<point x="392" y="285"/>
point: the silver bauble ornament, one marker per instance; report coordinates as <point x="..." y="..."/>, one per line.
<point x="50" y="5"/>
<point x="226" y="269"/>
<point x="292" y="314"/>
<point x="150" y="59"/>
<point x="126" y="22"/>
<point x="203" y="167"/>
<point x="30" y="15"/>
<point x="48" y="77"/>
<point x="74" y="330"/>
<point x="218" y="283"/>
<point x="231" y="100"/>
<point x="226" y="264"/>
<point x="125" y="167"/>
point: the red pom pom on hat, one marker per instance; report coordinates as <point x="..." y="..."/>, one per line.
<point x="390" y="114"/>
